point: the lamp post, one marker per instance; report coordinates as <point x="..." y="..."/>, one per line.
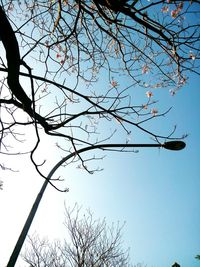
<point x="172" y="145"/>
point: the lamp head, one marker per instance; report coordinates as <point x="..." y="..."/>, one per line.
<point x="174" y="145"/>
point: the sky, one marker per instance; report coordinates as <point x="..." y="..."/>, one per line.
<point x="155" y="191"/>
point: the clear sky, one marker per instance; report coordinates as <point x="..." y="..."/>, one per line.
<point x="155" y="191"/>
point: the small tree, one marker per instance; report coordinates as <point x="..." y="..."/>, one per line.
<point x="88" y="243"/>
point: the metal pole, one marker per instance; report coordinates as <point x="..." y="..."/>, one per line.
<point x="26" y="227"/>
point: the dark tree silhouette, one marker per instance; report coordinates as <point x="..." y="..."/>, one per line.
<point x="88" y="242"/>
<point x="62" y="60"/>
<point x="13" y="59"/>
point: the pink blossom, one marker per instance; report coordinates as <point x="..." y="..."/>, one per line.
<point x="154" y="111"/>
<point x="183" y="80"/>
<point x="180" y="6"/>
<point x="149" y="94"/>
<point x="192" y="56"/>
<point x="174" y="13"/>
<point x="165" y="9"/>
<point x="114" y="83"/>
<point x="145" y="106"/>
<point x="145" y="69"/>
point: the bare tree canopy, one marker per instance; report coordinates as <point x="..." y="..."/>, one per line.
<point x="61" y="60"/>
<point x="88" y="243"/>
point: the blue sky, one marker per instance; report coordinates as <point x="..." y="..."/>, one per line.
<point x="155" y="191"/>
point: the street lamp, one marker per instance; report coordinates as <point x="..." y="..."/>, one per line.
<point x="174" y="145"/>
<point x="171" y="145"/>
